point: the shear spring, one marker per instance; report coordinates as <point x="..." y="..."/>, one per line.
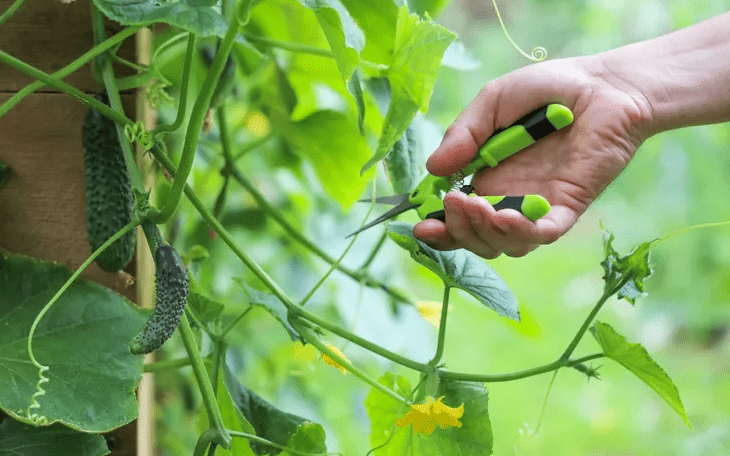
<point x="457" y="180"/>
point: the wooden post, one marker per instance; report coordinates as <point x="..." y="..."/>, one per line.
<point x="42" y="205"/>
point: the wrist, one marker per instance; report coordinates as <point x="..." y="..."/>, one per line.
<point x="682" y="77"/>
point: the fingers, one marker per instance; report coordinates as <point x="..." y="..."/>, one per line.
<point x="499" y="104"/>
<point x="472" y="223"/>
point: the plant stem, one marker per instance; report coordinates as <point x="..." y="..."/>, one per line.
<point x="288" y="45"/>
<point x="359" y="276"/>
<point x="166" y="364"/>
<point x="206" y="390"/>
<point x="196" y="320"/>
<point x="192" y="135"/>
<point x="218" y="353"/>
<point x="226" y="237"/>
<point x="501" y="377"/>
<point x="70" y="68"/>
<point x="110" y="84"/>
<point x="374" y="251"/>
<point x="312" y="338"/>
<point x="184" y="85"/>
<point x="366" y="344"/>
<point x="53" y="81"/>
<point x="442" y="328"/>
<point x="252" y="145"/>
<point x="273" y="286"/>
<point x="10" y="11"/>
<point x="275" y="445"/>
<point x="579" y="335"/>
<point x="235" y="321"/>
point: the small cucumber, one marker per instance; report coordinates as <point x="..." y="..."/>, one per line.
<point x="171" y="279"/>
<point x="109" y="197"/>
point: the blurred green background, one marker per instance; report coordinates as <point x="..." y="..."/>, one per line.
<point x="677" y="179"/>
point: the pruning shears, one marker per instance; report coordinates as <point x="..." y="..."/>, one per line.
<point x="427" y="198"/>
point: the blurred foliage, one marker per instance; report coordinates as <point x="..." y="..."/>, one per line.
<point x="676" y="179"/>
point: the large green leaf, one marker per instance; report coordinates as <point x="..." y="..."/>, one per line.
<point x="406" y="162"/>
<point x="316" y="80"/>
<point x="473" y="438"/>
<point x="635" y="358"/>
<point x="418" y="49"/>
<point x="20" y="439"/>
<point x="83" y="339"/>
<point x="334" y="146"/>
<point x="346" y="40"/>
<point x="634" y="266"/>
<point x="273" y="424"/>
<point x="428" y="7"/>
<point x="459" y="269"/>
<point x="192" y="15"/>
<point x="377" y="19"/>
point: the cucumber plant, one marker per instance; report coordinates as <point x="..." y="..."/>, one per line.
<point x="323" y="92"/>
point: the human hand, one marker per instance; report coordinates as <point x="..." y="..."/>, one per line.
<point x="569" y="167"/>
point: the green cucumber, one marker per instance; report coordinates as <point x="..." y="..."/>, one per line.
<point x="109" y="197"/>
<point x="171" y="282"/>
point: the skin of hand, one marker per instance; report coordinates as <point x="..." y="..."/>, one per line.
<point x="569" y="167"/>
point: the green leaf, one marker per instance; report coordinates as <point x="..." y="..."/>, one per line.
<point x="18" y="439"/>
<point x="272" y="305"/>
<point x="273" y="424"/>
<point x="83" y="339"/>
<point x="308" y="438"/>
<point x="406" y="160"/>
<point x="459" y="269"/>
<point x="354" y="86"/>
<point x="205" y="308"/>
<point x="635" y="358"/>
<point x="635" y="266"/>
<point x="473" y="438"/>
<point x="377" y="19"/>
<point x="332" y="143"/>
<point x="232" y="418"/>
<point x="419" y="46"/>
<point x="346" y="40"/>
<point x="192" y="15"/>
<point x="428" y="7"/>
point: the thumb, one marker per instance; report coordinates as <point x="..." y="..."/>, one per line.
<point x="499" y="104"/>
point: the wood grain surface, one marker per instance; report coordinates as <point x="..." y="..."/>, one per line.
<point x="49" y="35"/>
<point x="42" y="205"/>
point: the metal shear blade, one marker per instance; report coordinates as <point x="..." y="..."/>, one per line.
<point x="402" y="204"/>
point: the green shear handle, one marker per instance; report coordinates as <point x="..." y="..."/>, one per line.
<point x="502" y="144"/>
<point x="426" y="198"/>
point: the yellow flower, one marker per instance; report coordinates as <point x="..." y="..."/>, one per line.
<point x="431" y="311"/>
<point x="425" y="416"/>
<point x="332" y="362"/>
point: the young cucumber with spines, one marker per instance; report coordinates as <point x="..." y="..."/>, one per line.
<point x="171" y="283"/>
<point x="109" y="197"/>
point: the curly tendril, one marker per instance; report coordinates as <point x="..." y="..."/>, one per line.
<point x="536" y="55"/>
<point x="39" y="420"/>
<point x="137" y="133"/>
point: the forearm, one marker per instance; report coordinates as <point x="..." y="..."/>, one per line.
<point x="683" y="77"/>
